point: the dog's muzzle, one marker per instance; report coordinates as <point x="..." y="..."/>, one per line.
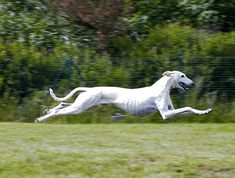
<point x="186" y="86"/>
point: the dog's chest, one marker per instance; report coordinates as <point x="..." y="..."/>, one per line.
<point x="148" y="109"/>
<point x="137" y="105"/>
<point x="134" y="101"/>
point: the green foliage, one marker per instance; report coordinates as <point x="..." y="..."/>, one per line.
<point x="217" y="46"/>
<point x="8" y="105"/>
<point x="151" y="13"/>
<point x="159" y="51"/>
<point x="40" y="23"/>
<point x="24" y="69"/>
<point x="211" y="15"/>
<point x="171" y="40"/>
<point x="38" y="42"/>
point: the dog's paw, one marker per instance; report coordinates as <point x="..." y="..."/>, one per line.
<point x="204" y="112"/>
<point x="47" y="111"/>
<point x="36" y="120"/>
<point x="50" y="90"/>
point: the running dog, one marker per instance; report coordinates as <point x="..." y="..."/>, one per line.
<point x="139" y="101"/>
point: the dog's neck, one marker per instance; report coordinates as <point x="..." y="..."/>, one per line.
<point x="165" y="84"/>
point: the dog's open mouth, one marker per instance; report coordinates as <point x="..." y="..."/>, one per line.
<point x="184" y="86"/>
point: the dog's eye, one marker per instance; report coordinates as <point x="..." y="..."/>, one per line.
<point x="182" y="76"/>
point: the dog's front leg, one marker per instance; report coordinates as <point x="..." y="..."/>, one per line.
<point x="170" y="105"/>
<point x="183" y="111"/>
<point x="165" y="112"/>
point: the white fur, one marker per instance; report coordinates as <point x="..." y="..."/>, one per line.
<point x="140" y="101"/>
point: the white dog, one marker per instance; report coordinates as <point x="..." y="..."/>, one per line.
<point x="140" y="101"/>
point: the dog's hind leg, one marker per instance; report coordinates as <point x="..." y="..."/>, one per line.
<point x="83" y="102"/>
<point x="60" y="106"/>
<point x="53" y="113"/>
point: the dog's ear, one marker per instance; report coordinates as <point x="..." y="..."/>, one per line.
<point x="168" y="73"/>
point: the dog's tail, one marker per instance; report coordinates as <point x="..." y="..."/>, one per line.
<point x="69" y="95"/>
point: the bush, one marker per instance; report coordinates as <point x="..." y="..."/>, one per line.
<point x="221" y="76"/>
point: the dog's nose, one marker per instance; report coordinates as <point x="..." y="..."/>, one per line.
<point x="192" y="84"/>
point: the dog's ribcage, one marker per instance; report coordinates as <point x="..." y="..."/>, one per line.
<point x="134" y="101"/>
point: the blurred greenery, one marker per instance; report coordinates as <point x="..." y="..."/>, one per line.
<point x="43" y="44"/>
<point x="211" y="15"/>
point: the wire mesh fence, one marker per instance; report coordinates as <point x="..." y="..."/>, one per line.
<point x="218" y="73"/>
<point x="214" y="77"/>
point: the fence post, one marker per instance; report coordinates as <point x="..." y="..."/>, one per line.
<point x="181" y="68"/>
<point x="69" y="64"/>
<point x="181" y="62"/>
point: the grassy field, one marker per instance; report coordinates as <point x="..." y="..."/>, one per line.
<point x="117" y="150"/>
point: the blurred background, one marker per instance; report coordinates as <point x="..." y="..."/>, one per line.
<point x="63" y="44"/>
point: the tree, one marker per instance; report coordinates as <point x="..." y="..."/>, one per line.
<point x="104" y="17"/>
<point x="212" y="15"/>
<point x="41" y="23"/>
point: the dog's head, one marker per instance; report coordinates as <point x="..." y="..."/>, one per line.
<point x="180" y="80"/>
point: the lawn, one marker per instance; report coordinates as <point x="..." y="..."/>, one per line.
<point x="117" y="150"/>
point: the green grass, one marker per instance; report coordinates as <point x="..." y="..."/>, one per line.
<point x="117" y="150"/>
